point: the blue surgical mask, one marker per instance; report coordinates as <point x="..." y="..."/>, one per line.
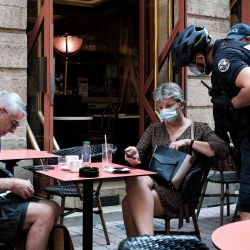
<point x="196" y="72"/>
<point x="168" y="115"/>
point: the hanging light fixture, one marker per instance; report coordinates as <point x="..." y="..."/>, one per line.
<point x="67" y="46"/>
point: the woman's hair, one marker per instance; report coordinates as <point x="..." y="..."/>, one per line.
<point x="12" y="102"/>
<point x="167" y="90"/>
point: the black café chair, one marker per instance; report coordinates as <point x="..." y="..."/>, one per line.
<point x="71" y="190"/>
<point x="223" y="177"/>
<point x="191" y="192"/>
<point x="106" y="125"/>
<point x="152" y="242"/>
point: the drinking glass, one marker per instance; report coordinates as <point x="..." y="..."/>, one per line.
<point x="62" y="162"/>
<point x="107" y="155"/>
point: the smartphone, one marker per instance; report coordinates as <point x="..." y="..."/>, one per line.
<point x="130" y="156"/>
<point x="121" y="170"/>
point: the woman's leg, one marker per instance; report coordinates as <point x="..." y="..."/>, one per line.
<point x="130" y="226"/>
<point x="140" y="205"/>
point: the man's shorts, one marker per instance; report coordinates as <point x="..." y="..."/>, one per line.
<point x="12" y="214"/>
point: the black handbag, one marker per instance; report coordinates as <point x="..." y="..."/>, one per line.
<point x="172" y="165"/>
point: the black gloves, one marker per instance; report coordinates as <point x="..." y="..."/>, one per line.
<point x="222" y="103"/>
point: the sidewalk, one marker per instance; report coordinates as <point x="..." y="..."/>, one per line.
<point x="209" y="220"/>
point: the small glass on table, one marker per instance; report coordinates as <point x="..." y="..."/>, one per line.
<point x="107" y="151"/>
<point x="62" y="163"/>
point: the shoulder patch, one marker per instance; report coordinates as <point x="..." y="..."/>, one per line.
<point x="247" y="47"/>
<point x="223" y="65"/>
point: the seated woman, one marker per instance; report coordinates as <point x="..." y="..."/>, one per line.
<point x="147" y="197"/>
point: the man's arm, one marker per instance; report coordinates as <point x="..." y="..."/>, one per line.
<point x="22" y="188"/>
<point x="243" y="82"/>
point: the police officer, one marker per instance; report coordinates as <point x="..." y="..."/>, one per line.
<point x="229" y="61"/>
<point x="240" y="32"/>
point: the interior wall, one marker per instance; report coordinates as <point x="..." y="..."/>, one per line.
<point x="109" y="55"/>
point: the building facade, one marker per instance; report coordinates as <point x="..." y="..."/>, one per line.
<point x="13" y="63"/>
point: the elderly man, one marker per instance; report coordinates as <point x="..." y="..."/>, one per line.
<point x="20" y="211"/>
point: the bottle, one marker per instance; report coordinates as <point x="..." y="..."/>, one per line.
<point x="86" y="153"/>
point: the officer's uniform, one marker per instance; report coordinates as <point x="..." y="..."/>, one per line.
<point x="229" y="58"/>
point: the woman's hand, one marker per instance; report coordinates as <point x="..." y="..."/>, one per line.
<point x="200" y="146"/>
<point x="181" y="143"/>
<point x="132" y="156"/>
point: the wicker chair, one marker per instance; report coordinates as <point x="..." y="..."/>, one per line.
<point x="224" y="177"/>
<point x="191" y="192"/>
<point x="4" y="173"/>
<point x="149" y="242"/>
<point x="70" y="190"/>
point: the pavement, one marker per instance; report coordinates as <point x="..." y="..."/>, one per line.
<point x="208" y="221"/>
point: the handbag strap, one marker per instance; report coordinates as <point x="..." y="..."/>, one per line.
<point x="192" y="138"/>
<point x="192" y="130"/>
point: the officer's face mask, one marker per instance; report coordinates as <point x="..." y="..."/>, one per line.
<point x="168" y="115"/>
<point x="196" y="72"/>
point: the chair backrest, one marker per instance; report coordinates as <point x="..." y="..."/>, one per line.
<point x="109" y="116"/>
<point x="151" y="242"/>
<point x="4" y="173"/>
<point x="96" y="153"/>
<point x="194" y="183"/>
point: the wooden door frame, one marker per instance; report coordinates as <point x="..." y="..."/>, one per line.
<point x="45" y="20"/>
<point x="245" y="11"/>
<point x="146" y="82"/>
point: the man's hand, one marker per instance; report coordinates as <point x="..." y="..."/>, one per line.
<point x="222" y="103"/>
<point x="22" y="188"/>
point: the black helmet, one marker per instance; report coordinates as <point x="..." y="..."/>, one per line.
<point x="193" y="39"/>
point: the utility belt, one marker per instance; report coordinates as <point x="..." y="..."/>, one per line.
<point x="237" y="122"/>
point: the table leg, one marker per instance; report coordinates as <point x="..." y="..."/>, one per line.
<point x="87" y="237"/>
<point x="10" y="165"/>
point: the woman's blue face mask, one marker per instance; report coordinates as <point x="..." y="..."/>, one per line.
<point x="168" y="115"/>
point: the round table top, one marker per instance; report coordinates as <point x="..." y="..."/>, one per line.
<point x="232" y="236"/>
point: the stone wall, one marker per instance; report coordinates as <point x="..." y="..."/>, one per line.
<point x="215" y="16"/>
<point x="13" y="63"/>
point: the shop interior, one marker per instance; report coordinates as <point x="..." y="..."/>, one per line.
<point x="102" y="77"/>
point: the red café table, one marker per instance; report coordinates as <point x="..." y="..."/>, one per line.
<point x="67" y="176"/>
<point x="10" y="157"/>
<point x="232" y="236"/>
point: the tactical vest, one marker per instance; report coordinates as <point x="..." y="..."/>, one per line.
<point x="238" y="121"/>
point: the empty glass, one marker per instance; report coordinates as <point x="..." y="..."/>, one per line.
<point x="62" y="161"/>
<point x="107" y="155"/>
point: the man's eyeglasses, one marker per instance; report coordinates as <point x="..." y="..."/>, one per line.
<point x="14" y="124"/>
